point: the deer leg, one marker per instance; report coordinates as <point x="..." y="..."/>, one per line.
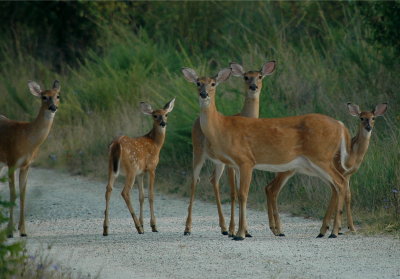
<point x="126" y="194"/>
<point x="141" y="198"/>
<point x="350" y="223"/>
<point x="13" y="196"/>
<point x="329" y="212"/>
<point x="152" y="176"/>
<point x="109" y="188"/>
<point x="272" y="191"/>
<point x="245" y="179"/>
<point x="23" y="176"/>
<point x="232" y="184"/>
<point x="219" y="169"/>
<point x="337" y="224"/>
<point x="329" y="173"/>
<point x="198" y="161"/>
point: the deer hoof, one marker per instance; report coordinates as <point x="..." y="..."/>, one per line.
<point x="281" y="234"/>
<point x="187" y="233"/>
<point x="333" y="236"/>
<point x="23" y="235"/>
<point x="238" y="238"/>
<point x="224" y="233"/>
<point x="320" y="235"/>
<point x="248" y="235"/>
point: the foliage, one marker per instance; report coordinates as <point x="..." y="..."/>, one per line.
<point x="11" y="253"/>
<point x="384" y="20"/>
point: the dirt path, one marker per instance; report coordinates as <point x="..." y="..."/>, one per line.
<point x="67" y="212"/>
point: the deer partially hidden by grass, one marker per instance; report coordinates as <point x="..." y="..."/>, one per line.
<point x="135" y="157"/>
<point x="20" y="142"/>
<point x="357" y="148"/>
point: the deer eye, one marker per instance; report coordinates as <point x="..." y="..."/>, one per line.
<point x="260" y="77"/>
<point x="58" y="97"/>
<point x="213" y="84"/>
<point x="246" y="78"/>
<point x="373" y="118"/>
<point x="198" y="83"/>
<point x="44" y="98"/>
<point x="155" y="116"/>
<point x="166" y="115"/>
<point x="362" y="118"/>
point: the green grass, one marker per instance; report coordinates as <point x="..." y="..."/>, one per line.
<point x="324" y="60"/>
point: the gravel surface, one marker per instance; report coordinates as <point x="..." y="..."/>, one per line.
<point x="67" y="212"/>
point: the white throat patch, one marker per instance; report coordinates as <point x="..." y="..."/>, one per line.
<point x="49" y="115"/>
<point x="204" y="102"/>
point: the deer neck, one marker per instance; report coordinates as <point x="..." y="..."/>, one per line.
<point x="39" y="129"/>
<point x="359" y="146"/>
<point x="251" y="107"/>
<point x="157" y="134"/>
<point x="210" y="120"/>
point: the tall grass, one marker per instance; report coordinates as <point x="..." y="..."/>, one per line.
<point x="322" y="65"/>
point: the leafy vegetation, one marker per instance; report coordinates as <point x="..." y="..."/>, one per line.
<point x="121" y="53"/>
<point x="11" y="253"/>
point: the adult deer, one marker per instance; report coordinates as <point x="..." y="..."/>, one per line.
<point x="253" y="81"/>
<point x="20" y="142"/>
<point x="135" y="157"/>
<point x="357" y="147"/>
<point x="306" y="143"/>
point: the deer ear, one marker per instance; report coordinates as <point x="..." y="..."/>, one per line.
<point x="170" y="105"/>
<point x="380" y="109"/>
<point x="56" y="86"/>
<point x="190" y="75"/>
<point x="34" y="88"/>
<point x="223" y="75"/>
<point x="237" y="69"/>
<point x="268" y="68"/>
<point x="146" y="108"/>
<point x="353" y="109"/>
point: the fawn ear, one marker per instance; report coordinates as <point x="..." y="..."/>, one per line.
<point x="268" y="68"/>
<point x="353" y="109"/>
<point x="237" y="69"/>
<point x="380" y="109"/>
<point x="34" y="88"/>
<point x="56" y="86"/>
<point x="190" y="75"/>
<point x="146" y="108"/>
<point x="223" y="75"/>
<point x="170" y="105"/>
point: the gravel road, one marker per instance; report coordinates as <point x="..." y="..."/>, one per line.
<point x="67" y="212"/>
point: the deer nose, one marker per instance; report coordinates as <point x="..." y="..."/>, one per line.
<point x="203" y="94"/>
<point x="368" y="127"/>
<point x="163" y="124"/>
<point x="253" y="87"/>
<point x="53" y="107"/>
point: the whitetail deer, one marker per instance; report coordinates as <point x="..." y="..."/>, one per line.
<point x="357" y="147"/>
<point x="253" y="81"/>
<point x="306" y="143"/>
<point x="20" y="142"/>
<point x="135" y="157"/>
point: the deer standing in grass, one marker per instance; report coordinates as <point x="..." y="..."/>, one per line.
<point x="135" y="157"/>
<point x="20" y="142"/>
<point x="253" y="81"/>
<point x="307" y="144"/>
<point x="357" y="147"/>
